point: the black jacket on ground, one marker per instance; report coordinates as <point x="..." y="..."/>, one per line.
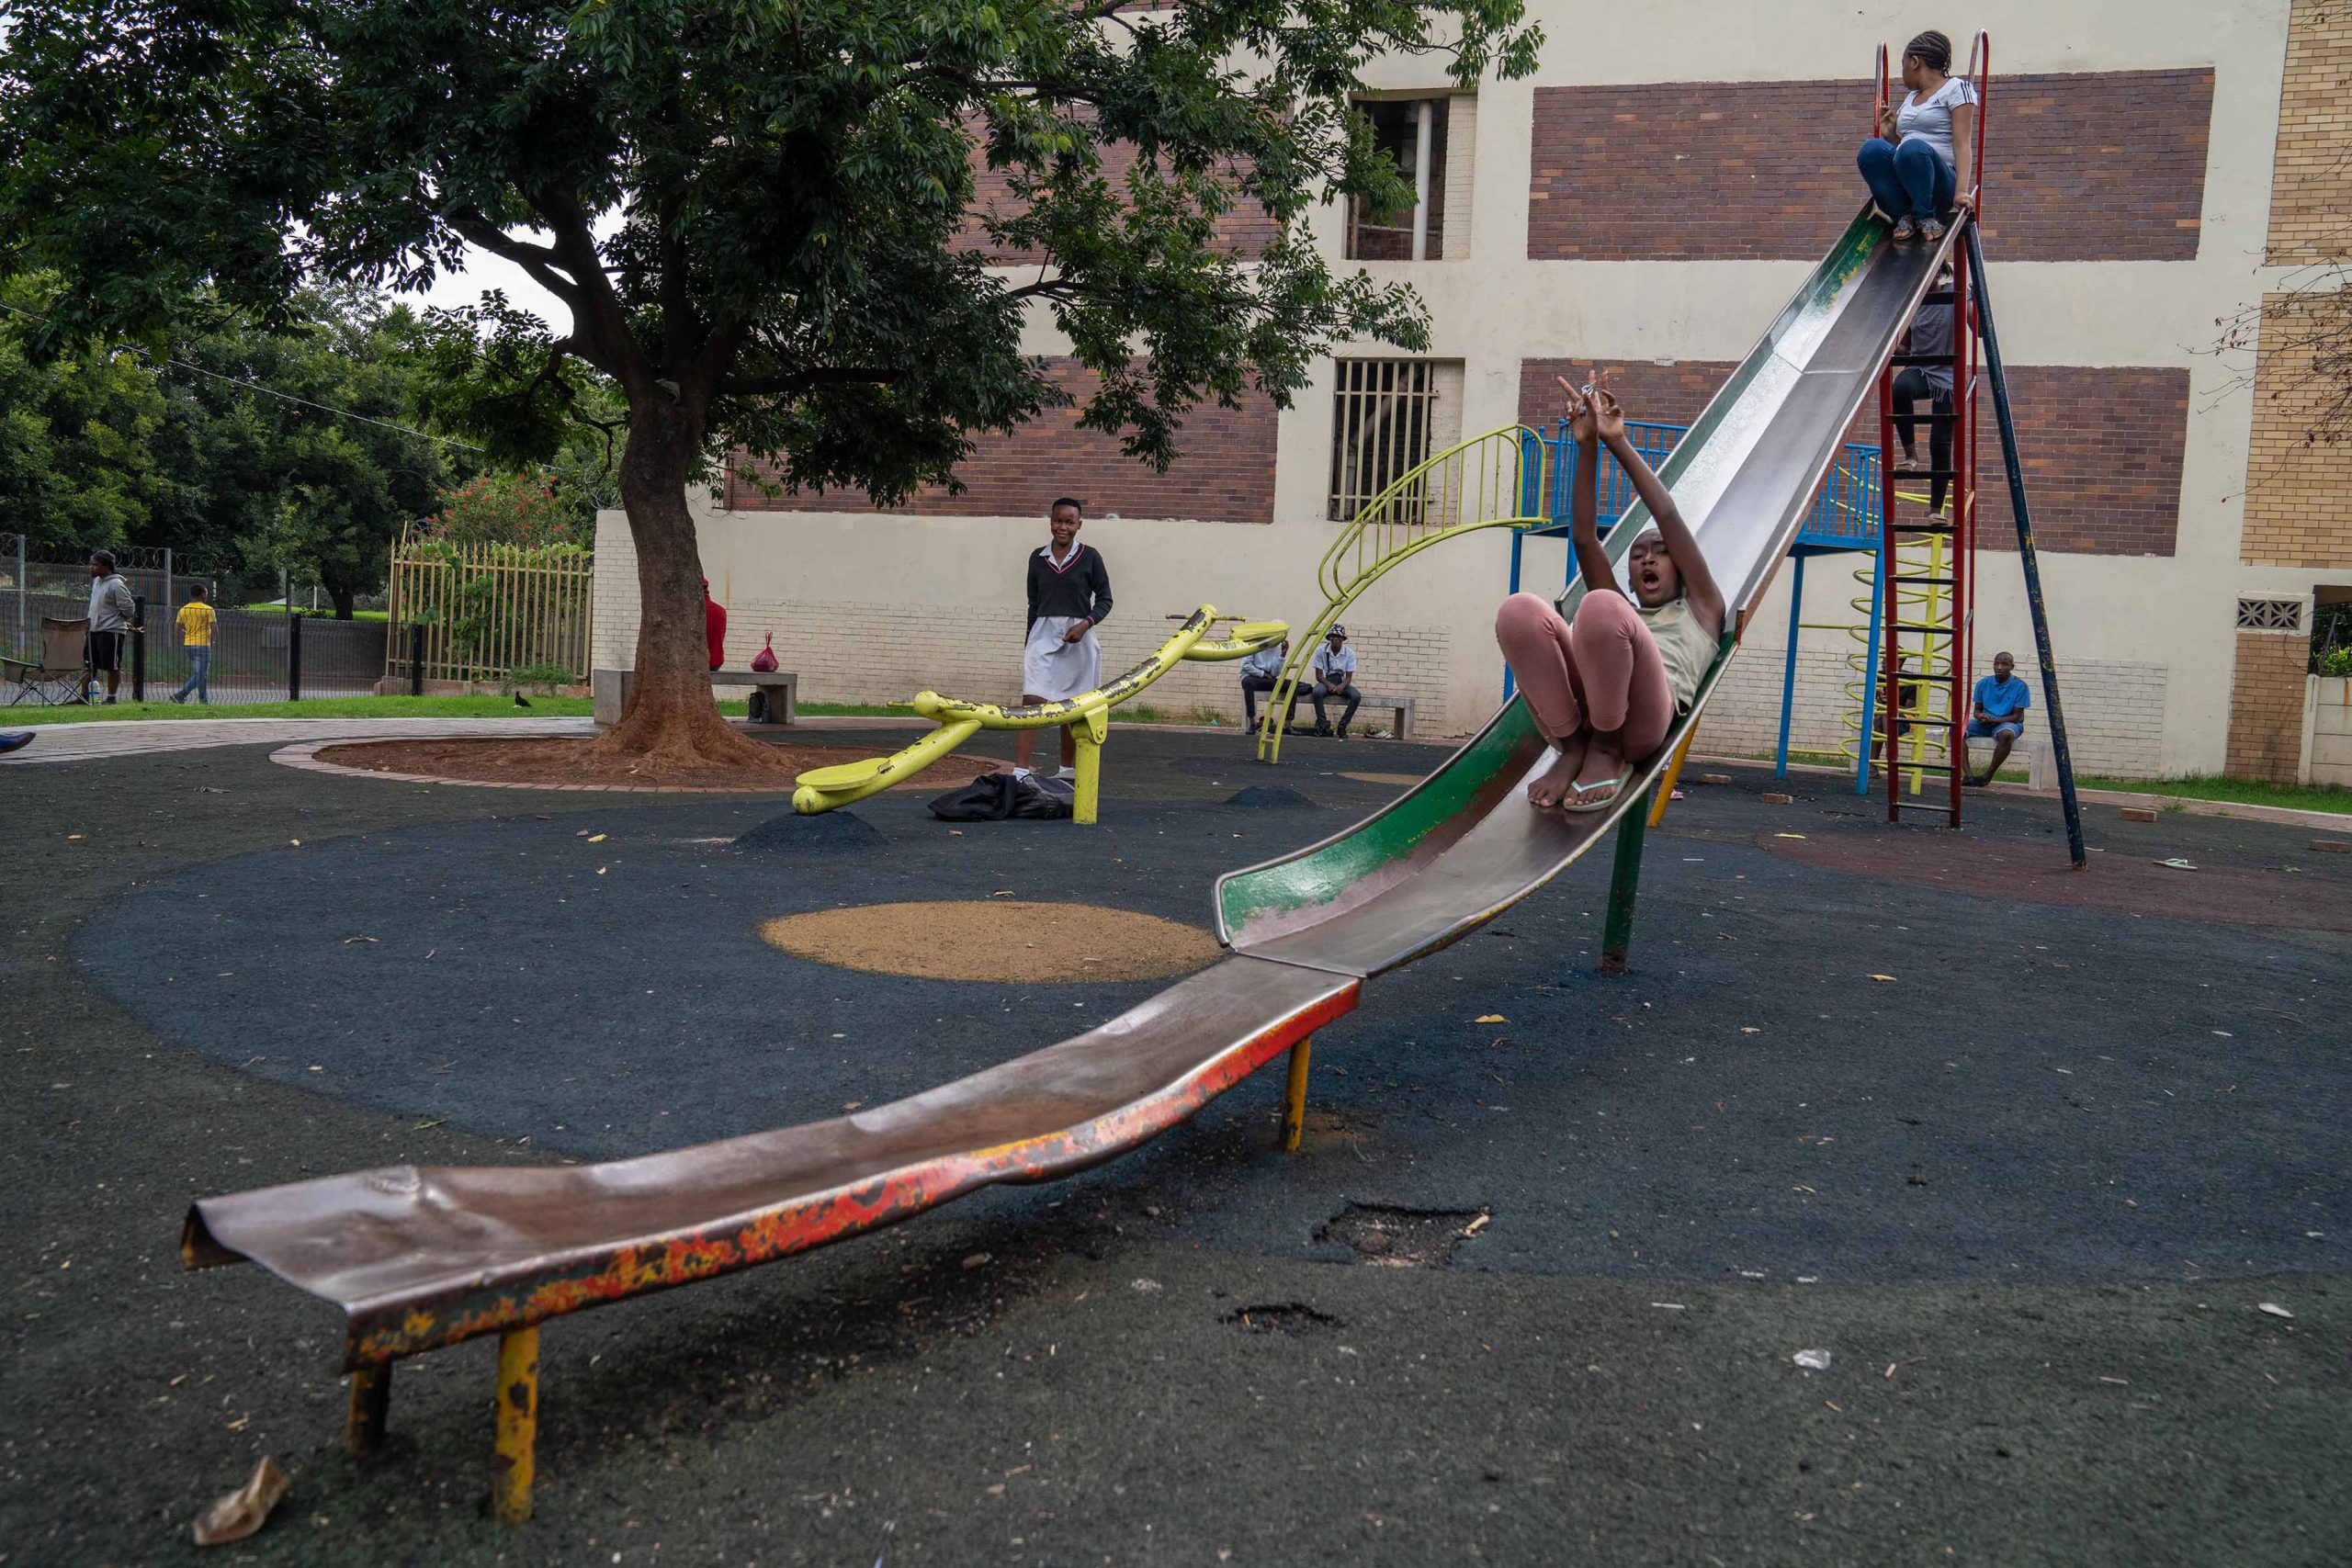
<point x="1079" y="587"/>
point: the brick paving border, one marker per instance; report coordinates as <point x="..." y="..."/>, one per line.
<point x="305" y="755"/>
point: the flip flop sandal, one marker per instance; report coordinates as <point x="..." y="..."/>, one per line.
<point x="1578" y="801"/>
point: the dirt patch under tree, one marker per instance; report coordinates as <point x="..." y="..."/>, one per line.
<point x="555" y="761"/>
<point x="999" y="939"/>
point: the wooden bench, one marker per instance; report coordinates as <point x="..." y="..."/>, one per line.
<point x="2040" y="768"/>
<point x="1374" y="702"/>
<point x="609" y="690"/>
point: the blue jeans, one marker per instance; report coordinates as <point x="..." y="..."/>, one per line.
<point x="1909" y="181"/>
<point x="200" y="675"/>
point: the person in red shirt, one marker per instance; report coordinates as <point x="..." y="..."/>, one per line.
<point x="713" y="626"/>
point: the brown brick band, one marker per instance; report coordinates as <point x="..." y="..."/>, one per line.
<point x="1226" y="473"/>
<point x="2099" y="167"/>
<point x="2102" y="446"/>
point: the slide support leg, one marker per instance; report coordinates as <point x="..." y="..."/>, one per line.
<point x="1625" y="883"/>
<point x="1294" y="1095"/>
<point x="371" y="1403"/>
<point x="518" y="1408"/>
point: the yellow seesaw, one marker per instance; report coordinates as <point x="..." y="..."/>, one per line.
<point x="1088" y="717"/>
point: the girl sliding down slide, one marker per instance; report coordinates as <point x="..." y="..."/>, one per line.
<point x="1606" y="687"/>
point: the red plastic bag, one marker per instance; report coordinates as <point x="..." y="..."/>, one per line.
<point x="765" y="660"/>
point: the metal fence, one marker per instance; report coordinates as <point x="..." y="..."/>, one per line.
<point x="257" y="657"/>
<point x="1844" y="514"/>
<point x="482" y="612"/>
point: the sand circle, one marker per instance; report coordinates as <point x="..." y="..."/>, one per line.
<point x="1004" y="940"/>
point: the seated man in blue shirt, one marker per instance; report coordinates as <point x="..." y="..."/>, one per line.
<point x="1260" y="673"/>
<point x="1997" y="712"/>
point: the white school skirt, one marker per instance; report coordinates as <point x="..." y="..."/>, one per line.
<point x="1056" y="669"/>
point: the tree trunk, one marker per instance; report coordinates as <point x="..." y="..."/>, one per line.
<point x="672" y="719"/>
<point x="340" y="595"/>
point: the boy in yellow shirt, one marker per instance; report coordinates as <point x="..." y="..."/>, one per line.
<point x="196" y="620"/>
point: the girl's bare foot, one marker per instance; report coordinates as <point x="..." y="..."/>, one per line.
<point x="1552" y="787"/>
<point x="1604" y="760"/>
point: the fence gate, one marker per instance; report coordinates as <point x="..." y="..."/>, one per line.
<point x="486" y="612"/>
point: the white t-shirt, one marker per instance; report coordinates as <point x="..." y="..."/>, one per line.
<point x="1929" y="118"/>
<point x="1327" y="665"/>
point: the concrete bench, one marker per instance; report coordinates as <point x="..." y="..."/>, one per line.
<point x="2040" y="768"/>
<point x="609" y="690"/>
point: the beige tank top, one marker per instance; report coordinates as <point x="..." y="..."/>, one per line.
<point x="1686" y="644"/>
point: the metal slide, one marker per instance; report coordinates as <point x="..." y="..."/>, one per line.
<point x="1462" y="845"/>
<point x="422" y="1258"/>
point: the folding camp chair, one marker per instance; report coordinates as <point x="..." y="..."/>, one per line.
<point x="63" y="676"/>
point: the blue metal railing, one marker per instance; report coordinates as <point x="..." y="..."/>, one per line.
<point x="1844" y="514"/>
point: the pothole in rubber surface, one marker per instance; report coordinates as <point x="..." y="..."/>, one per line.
<point x="1294" y="1319"/>
<point x="1389" y="1235"/>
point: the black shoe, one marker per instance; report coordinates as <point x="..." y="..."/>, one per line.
<point x="1342" y="734"/>
<point x="16" y="740"/>
<point x="1322" y="731"/>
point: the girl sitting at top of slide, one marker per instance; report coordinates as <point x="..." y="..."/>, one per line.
<point x="1606" y="687"/>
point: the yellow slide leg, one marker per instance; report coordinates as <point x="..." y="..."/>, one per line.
<point x="517" y="1406"/>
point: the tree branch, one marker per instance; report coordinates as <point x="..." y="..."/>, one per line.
<point x="804" y="382"/>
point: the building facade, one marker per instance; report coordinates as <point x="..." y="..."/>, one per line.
<point x="2155" y="172"/>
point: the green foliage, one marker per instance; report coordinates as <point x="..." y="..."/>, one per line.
<point x="538" y="678"/>
<point x="2332" y="661"/>
<point x="110" y="445"/>
<point x="758" y="217"/>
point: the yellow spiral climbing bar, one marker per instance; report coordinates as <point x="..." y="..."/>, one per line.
<point x="1479" y="483"/>
<point x="1088" y="717"/>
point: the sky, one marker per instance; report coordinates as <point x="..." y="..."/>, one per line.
<point x="484" y="271"/>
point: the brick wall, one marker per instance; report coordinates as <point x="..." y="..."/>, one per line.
<point x="2099" y="167"/>
<point x="2267" y="705"/>
<point x="2114" y="708"/>
<point x="1246" y="229"/>
<point x="2299" y="489"/>
<point x="2103" y="447"/>
<point x="1226" y="475"/>
<point x="2310" y="221"/>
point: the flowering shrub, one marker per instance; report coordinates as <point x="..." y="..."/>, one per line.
<point x="506" y="509"/>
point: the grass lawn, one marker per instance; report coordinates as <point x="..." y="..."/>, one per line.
<point x="2246" y="792"/>
<point x="312" y="614"/>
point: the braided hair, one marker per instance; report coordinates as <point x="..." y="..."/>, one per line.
<point x="1932" y="49"/>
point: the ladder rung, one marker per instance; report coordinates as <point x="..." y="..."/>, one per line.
<point x="1924" y="474"/>
<point x="1922" y="806"/>
<point x="1932" y="581"/>
<point x="1936" y="296"/>
<point x="1941" y="526"/>
<point x="1925" y="361"/>
<point x="1900" y="418"/>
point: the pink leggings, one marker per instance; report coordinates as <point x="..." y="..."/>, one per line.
<point x="1601" y="671"/>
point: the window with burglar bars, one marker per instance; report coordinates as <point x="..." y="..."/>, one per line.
<point x="1384" y="414"/>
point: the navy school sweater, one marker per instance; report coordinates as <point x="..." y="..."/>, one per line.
<point x="1079" y="586"/>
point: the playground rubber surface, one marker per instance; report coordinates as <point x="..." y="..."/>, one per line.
<point x="1004" y="940"/>
<point x="2044" y="1161"/>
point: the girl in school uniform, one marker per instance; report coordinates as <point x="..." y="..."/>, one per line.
<point x="1069" y="595"/>
<point x="1607" y="687"/>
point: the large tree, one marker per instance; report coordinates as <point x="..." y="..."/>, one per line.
<point x="759" y="215"/>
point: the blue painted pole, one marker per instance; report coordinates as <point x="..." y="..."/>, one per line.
<point x="1788" y="666"/>
<point x="1517" y="539"/>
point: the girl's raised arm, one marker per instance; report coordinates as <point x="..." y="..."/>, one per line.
<point x="1697" y="583"/>
<point x="1592" y="561"/>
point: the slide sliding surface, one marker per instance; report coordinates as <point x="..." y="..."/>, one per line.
<point x="1463" y="844"/>
<point x="423" y="1257"/>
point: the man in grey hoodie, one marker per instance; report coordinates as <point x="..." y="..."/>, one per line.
<point x="113" y="613"/>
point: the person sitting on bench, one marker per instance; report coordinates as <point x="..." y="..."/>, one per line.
<point x="1998" y="712"/>
<point x="1334" y="668"/>
<point x="1261" y="672"/>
